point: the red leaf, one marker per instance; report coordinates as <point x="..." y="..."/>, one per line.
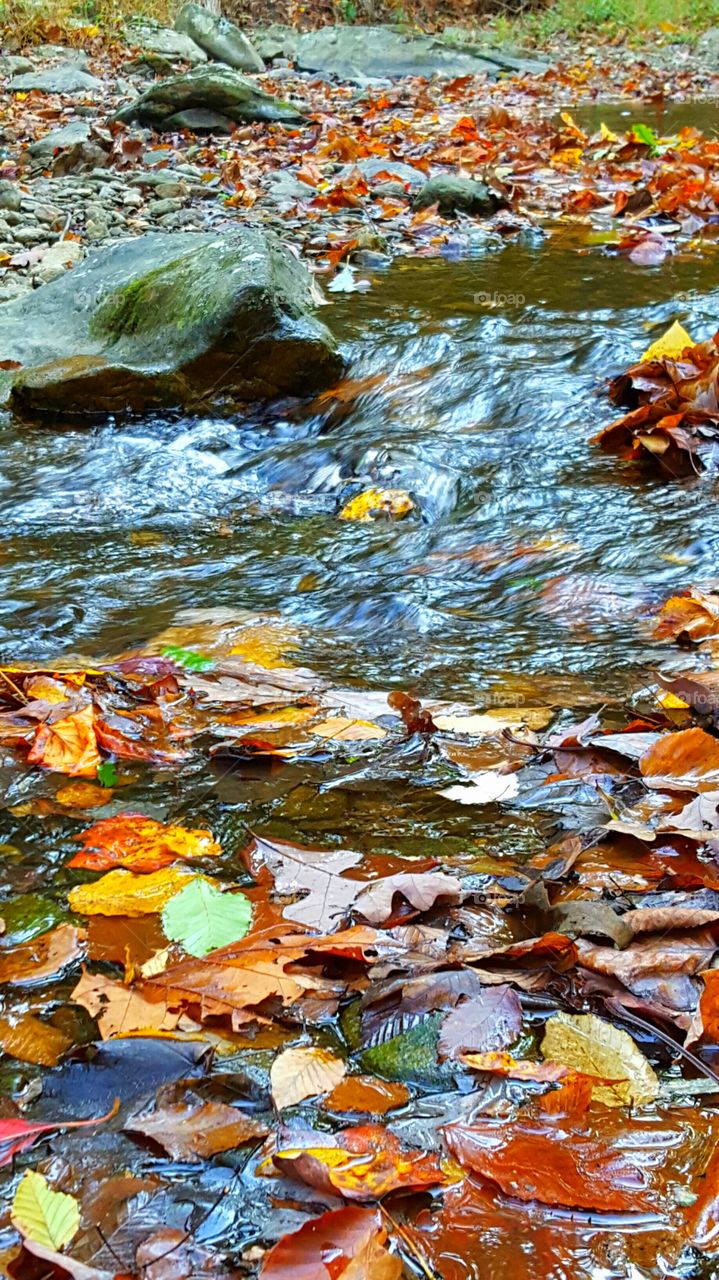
<point x="18" y="1135"/>
<point x="324" y="1248"/>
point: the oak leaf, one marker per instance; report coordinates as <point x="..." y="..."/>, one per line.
<point x="121" y="1010"/>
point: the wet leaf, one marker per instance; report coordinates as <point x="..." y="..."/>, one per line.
<point x="122" y="893"/>
<point x="203" y="918"/>
<point x="190" y="1129"/>
<point x="687" y="760"/>
<point x="68" y="745"/>
<point x="29" y="1039"/>
<point x="503" y="1064"/>
<point x="305" y="1072"/>
<point x="346" y="1243"/>
<point x="375" y="504"/>
<point x="488" y="1021"/>
<point x="531" y="1162"/>
<point x="314" y="873"/>
<point x="49" y="1217"/>
<point x="140" y="844"/>
<point x="674" y="342"/>
<point x="366" y="1094"/>
<point x="591" y="1046"/>
<point x="43" y="957"/>
<point x="83" y="795"/>
<point x="121" y="1010"/>
<point x="375" y="901"/>
<point x="365" y="1163"/>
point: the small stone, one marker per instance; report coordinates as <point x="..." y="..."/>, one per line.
<point x="59" y="259"/>
<point x="174" y="46"/>
<point x="457" y="195"/>
<point x="219" y="38"/>
<point x="47" y="214"/>
<point x="10" y="195"/>
<point x="132" y="199"/>
<point x="14" y="286"/>
<point x="31" y="235"/>
<point x="14" y="65"/>
<point x="179" y="220"/>
<point x="159" y="207"/>
<point x="97" y="229"/>
<point x="66" y="136"/>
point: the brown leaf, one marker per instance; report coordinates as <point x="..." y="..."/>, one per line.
<point x="685" y="761"/>
<point x="316" y="874"/>
<point x="140" y="844"/>
<point x="490" y="1020"/>
<point x="30" y="1040"/>
<point x="375" y="901"/>
<point x="121" y="1010"/>
<point x="190" y="1129"/>
<point x="345" y="1244"/>
<point x="366" y="1094"/>
<point x="304" y="1072"/>
<point x="364" y="1163"/>
<point x="43" y="957"/>
<point x="68" y="745"/>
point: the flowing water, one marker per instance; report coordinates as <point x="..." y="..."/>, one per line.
<point x="528" y="575"/>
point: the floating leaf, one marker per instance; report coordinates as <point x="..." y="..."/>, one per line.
<point x="140" y="844"/>
<point x="43" y="957"/>
<point x="68" y="745"/>
<point x="121" y="1010"/>
<point x="590" y="1045"/>
<point x="190" y="1129"/>
<point x="203" y="918"/>
<point x="489" y="787"/>
<point x="376" y="503"/>
<point x="361" y="1164"/>
<point x="121" y="893"/>
<point x="671" y="344"/>
<point x="302" y="1073"/>
<point x="366" y="1094"/>
<point x="29" y="1039"/>
<point x="344" y="1242"/>
<point x="49" y="1217"/>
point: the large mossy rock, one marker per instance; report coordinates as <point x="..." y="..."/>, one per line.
<point x="358" y="53"/>
<point x="212" y="88"/>
<point x="169" y="321"/>
<point x="220" y="39"/>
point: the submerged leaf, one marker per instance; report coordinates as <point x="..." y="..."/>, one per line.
<point x="121" y="893"/>
<point x="594" y="1047"/>
<point x="68" y="745"/>
<point x="344" y="1242"/>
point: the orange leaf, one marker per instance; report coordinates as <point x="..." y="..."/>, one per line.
<point x="140" y="844"/>
<point x="69" y="745"/>
<point x="363" y="1164"/>
<point x="344" y="1242"/>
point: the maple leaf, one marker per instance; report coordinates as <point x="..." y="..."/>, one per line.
<point x="68" y="745"/>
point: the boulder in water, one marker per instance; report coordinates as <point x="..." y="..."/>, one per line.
<point x="210" y="88"/>
<point x="220" y="39"/>
<point x="169" y="320"/>
<point x="457" y="195"/>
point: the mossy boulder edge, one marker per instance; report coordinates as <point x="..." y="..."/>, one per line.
<point x="169" y="320"/>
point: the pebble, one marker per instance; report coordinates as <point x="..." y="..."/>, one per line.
<point x="58" y="260"/>
<point x="156" y="208"/>
<point x="132" y="198"/>
<point x="31" y="235"/>
<point x="10" y="196"/>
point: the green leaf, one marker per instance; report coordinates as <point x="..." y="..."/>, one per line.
<point x="48" y="1217"/>
<point x="202" y="918"/>
<point x="106" y="774"/>
<point x="187" y="658"/>
<point x="644" y="134"/>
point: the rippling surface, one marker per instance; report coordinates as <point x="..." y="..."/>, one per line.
<point x="477" y="384"/>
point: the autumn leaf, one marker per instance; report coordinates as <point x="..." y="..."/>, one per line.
<point x="193" y="1130"/>
<point x="366" y="1094"/>
<point x="49" y="1217"/>
<point x="591" y="1046"/>
<point x="305" y="1072"/>
<point x="68" y="745"/>
<point x="44" y="956"/>
<point x="702" y="1220"/>
<point x="529" y="1162"/>
<point x="373" y="504"/>
<point x="503" y="1064"/>
<point x="375" y="901"/>
<point x="121" y="1010"/>
<point x="691" y="617"/>
<point x="673" y="343"/>
<point x="363" y="1164"/>
<point x="29" y="1039"/>
<point x="346" y="1242"/>
<point x="316" y="874"/>
<point x="687" y="760"/>
<point x="140" y="844"/>
<point x="84" y="795"/>
<point x="486" y="1022"/>
<point x="122" y="893"/>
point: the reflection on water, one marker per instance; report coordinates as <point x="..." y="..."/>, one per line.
<point x="533" y="551"/>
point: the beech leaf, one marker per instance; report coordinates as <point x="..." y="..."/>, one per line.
<point x="302" y="1073"/>
<point x="590" y="1045"/>
<point x="49" y="1217"/>
<point x="203" y="918"/>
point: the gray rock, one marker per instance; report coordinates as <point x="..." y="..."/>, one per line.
<point x="466" y="40"/>
<point x="221" y="39"/>
<point x="200" y="120"/>
<point x="14" y="286"/>
<point x="170" y="320"/>
<point x="31" y="235"/>
<point x="169" y="44"/>
<point x="59" y="258"/>
<point x="708" y="47"/>
<point x="57" y="139"/>
<point x="65" y="79"/>
<point x="275" y="41"/>
<point x="157" y="208"/>
<point x="457" y="195"/>
<point x="406" y="173"/>
<point x="62" y="53"/>
<point x="14" y="65"/>
<point x="285" y="186"/>
<point x="213" y="88"/>
<point x="359" y="53"/>
<point x="10" y="195"/>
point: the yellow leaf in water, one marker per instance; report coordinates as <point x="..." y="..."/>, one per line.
<point x="122" y="893"/>
<point x="341" y="729"/>
<point x="378" y="502"/>
<point x="29" y="1039"/>
<point x="670" y="701"/>
<point x="265" y="644"/>
<point x="47" y="1217"/>
<point x="670" y="345"/>
<point x="594" y="1047"/>
<point x="606" y="133"/>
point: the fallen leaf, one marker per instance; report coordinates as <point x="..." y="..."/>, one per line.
<point x="121" y="1010"/>
<point x="18" y="1135"/>
<point x="593" y="1047"/>
<point x="703" y="1216"/>
<point x="374" y="901"/>
<point x="140" y="844"/>
<point x="366" y="1094"/>
<point x="83" y="795"/>
<point x="314" y="873"/>
<point x="377" y="503"/>
<point x="305" y="1072"/>
<point x="503" y="1064"/>
<point x="488" y="1021"/>
<point x="190" y="1129"/>
<point x="489" y="787"/>
<point x="49" y="1217"/>
<point x="365" y="1163"/>
<point x="528" y="1162"/>
<point x="42" y="957"/>
<point x="670" y="346"/>
<point x="121" y="893"/>
<point x="203" y="918"/>
<point x="29" y="1039"/>
<point x="685" y="761"/>
<point x="68" y="745"/>
<point x="345" y="1244"/>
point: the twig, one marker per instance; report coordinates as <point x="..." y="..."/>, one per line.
<point x="410" y="1244"/>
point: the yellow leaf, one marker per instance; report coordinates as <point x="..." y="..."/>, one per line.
<point x="606" y="134"/>
<point x="670" y="345"/>
<point x="341" y="729"/>
<point x="594" y="1047"/>
<point x="303" y="1073"/>
<point x="670" y="701"/>
<point x="47" y="1217"/>
<point x="378" y="502"/>
<point x="122" y="893"/>
<point x="68" y="745"/>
